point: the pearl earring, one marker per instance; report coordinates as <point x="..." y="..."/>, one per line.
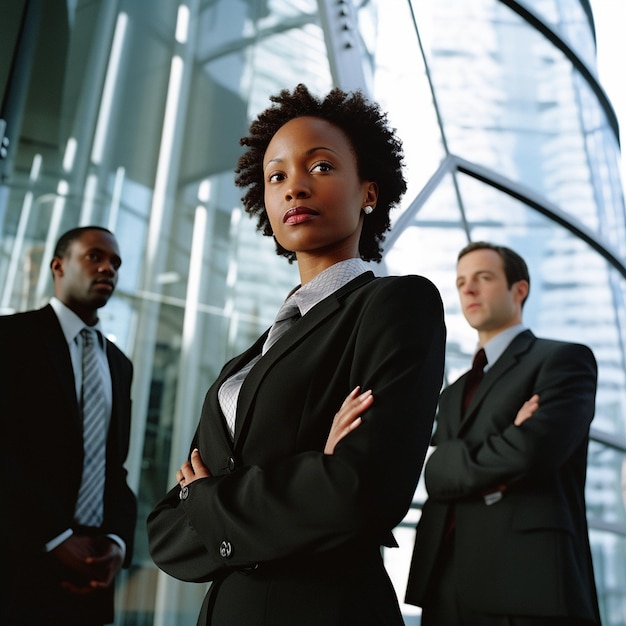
<point x="368" y="209"/>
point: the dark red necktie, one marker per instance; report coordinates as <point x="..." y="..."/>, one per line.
<point x="475" y="376"/>
<point x="471" y="384"/>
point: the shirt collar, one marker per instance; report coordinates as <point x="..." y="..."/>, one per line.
<point x="71" y="324"/>
<point x="496" y="346"/>
<point x="327" y="282"/>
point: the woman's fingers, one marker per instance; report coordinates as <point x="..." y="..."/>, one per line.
<point x="348" y="417"/>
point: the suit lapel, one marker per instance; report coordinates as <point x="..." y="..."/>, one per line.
<point x="507" y="361"/>
<point x="232" y="367"/>
<point x="56" y="348"/>
<point x="116" y="384"/>
<point x="453" y="406"/>
<point x="314" y="318"/>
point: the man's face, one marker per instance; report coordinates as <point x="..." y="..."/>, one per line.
<point x="86" y="276"/>
<point x="488" y="304"/>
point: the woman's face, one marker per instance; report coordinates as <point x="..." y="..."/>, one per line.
<point x="313" y="195"/>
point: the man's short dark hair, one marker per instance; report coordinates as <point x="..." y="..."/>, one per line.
<point x="67" y="238"/>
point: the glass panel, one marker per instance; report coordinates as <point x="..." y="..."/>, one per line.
<point x="609" y="556"/>
<point x="429" y="246"/>
<point x="570" y="22"/>
<point x="524" y="112"/>
<point x="403" y="90"/>
<point x="606" y="486"/>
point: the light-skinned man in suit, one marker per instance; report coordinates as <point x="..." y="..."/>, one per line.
<point x="503" y="539"/>
<point x="64" y="550"/>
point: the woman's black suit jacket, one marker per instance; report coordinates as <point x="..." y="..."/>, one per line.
<point x="528" y="553"/>
<point x="42" y="450"/>
<point x="290" y="535"/>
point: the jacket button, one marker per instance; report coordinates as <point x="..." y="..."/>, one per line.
<point x="184" y="492"/>
<point x="231" y="464"/>
<point x="226" y="549"/>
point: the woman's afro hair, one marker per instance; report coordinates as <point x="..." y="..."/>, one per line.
<point x="378" y="153"/>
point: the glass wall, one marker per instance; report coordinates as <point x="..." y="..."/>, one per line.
<point x="129" y="115"/>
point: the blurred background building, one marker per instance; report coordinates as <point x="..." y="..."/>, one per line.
<point x="127" y="114"/>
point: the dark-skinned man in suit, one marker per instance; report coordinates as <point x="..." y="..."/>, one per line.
<point x="66" y="537"/>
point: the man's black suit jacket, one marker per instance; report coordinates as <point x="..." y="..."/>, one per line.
<point x="288" y="534"/>
<point x="42" y="448"/>
<point x="527" y="554"/>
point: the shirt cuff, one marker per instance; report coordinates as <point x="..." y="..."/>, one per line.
<point x="58" y="540"/>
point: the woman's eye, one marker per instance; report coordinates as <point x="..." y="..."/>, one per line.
<point x="322" y="167"/>
<point x="276" y="177"/>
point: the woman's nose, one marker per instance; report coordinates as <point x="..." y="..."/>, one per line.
<point x="297" y="189"/>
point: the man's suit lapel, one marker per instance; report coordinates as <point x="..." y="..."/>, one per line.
<point x="56" y="348"/>
<point x="117" y="384"/>
<point x="453" y="409"/>
<point x="507" y="361"/>
<point x="314" y="318"/>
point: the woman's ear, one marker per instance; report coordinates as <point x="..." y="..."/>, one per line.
<point x="371" y="194"/>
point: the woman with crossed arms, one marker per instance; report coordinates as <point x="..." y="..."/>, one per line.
<point x="283" y="503"/>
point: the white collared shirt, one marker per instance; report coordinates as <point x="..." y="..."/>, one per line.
<point x="71" y="325"/>
<point x="495" y="347"/>
<point x="327" y="282"/>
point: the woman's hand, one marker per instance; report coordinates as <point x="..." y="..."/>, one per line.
<point x="348" y="417"/>
<point x="192" y="470"/>
<point x="528" y="408"/>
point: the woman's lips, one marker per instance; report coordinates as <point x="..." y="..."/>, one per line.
<point x="298" y="214"/>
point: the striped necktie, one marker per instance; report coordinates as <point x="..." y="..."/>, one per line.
<point x="286" y="316"/>
<point x="228" y="393"/>
<point x="90" y="505"/>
